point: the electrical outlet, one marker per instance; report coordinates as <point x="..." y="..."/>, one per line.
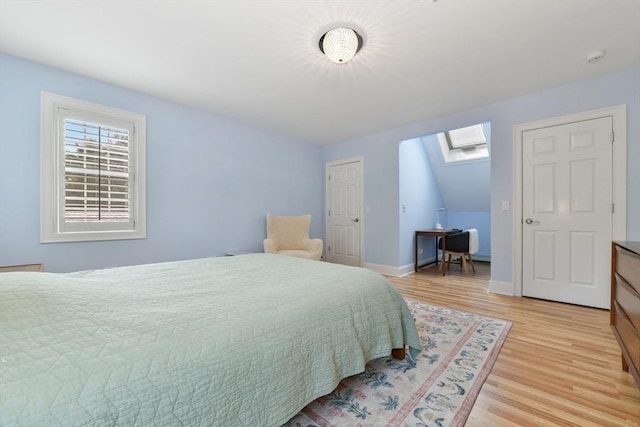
<point x="505" y="205"/>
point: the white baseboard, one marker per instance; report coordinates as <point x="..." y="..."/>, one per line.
<point x="406" y="269"/>
<point x="389" y="270"/>
<point x="500" y="287"/>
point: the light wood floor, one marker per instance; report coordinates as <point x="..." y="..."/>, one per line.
<point x="560" y="364"/>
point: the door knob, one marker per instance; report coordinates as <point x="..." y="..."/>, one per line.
<point x="356" y="220"/>
<point x="531" y="221"/>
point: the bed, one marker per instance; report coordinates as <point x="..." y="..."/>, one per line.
<point x="231" y="341"/>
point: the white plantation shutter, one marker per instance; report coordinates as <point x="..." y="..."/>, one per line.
<point x="93" y="171"/>
<point x="97" y="179"/>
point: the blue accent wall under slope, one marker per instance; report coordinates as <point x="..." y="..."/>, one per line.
<point x="420" y="198"/>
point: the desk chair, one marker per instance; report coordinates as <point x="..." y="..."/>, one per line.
<point x="461" y="244"/>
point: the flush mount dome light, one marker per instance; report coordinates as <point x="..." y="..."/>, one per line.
<point x="340" y="44"/>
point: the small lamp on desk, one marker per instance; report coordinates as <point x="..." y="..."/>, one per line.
<point x="438" y="224"/>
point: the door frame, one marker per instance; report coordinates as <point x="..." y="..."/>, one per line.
<point x="619" y="178"/>
<point x="360" y="198"/>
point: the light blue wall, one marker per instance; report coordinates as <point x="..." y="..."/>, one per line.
<point x="380" y="156"/>
<point x="210" y="179"/>
<point x="466" y="190"/>
<point x="381" y="193"/>
<point x="235" y="172"/>
<point x="420" y="198"/>
<point x="465" y="186"/>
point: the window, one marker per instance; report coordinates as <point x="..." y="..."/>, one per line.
<point x="93" y="177"/>
<point x="468" y="143"/>
<point x="466" y="138"/>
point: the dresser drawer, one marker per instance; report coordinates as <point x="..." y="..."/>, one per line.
<point x="629" y="337"/>
<point x="629" y="300"/>
<point x="628" y="266"/>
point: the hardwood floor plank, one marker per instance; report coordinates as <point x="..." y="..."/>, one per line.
<point x="560" y="364"/>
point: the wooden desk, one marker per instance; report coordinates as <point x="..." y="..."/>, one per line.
<point x="435" y="234"/>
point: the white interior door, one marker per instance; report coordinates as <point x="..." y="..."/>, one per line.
<point x="344" y="209"/>
<point x="567" y="212"/>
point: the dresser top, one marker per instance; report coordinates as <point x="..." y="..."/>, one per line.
<point x="628" y="245"/>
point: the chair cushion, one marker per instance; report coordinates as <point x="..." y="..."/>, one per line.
<point x="458" y="242"/>
<point x="289" y="232"/>
<point x="474" y="242"/>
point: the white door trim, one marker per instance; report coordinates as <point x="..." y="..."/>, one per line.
<point x="360" y="160"/>
<point x="619" y="178"/>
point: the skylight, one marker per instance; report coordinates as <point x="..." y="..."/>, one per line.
<point x="467" y="143"/>
<point x="471" y="136"/>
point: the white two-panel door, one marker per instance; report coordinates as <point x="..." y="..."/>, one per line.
<point x="567" y="212"/>
<point x="344" y="212"/>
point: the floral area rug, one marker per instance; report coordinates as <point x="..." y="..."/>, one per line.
<point x="437" y="389"/>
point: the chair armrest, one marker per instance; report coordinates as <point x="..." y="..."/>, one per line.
<point x="270" y="246"/>
<point x="315" y="246"/>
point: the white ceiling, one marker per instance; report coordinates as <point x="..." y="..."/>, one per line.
<point x="259" y="60"/>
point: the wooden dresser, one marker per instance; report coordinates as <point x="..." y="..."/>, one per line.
<point x="625" y="303"/>
<point x="22" y="267"/>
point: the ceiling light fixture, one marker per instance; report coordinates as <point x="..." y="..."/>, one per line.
<point x="340" y="44"/>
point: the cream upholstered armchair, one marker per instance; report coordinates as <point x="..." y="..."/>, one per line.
<point x="289" y="235"/>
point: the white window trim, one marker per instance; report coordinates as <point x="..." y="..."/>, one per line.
<point x="478" y="152"/>
<point x="52" y="178"/>
<point x="458" y="155"/>
<point x="474" y="140"/>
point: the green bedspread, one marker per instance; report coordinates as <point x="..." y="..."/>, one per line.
<point x="233" y="341"/>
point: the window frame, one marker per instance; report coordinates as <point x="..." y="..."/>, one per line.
<point x="467" y="146"/>
<point x="468" y="153"/>
<point x="53" y="227"/>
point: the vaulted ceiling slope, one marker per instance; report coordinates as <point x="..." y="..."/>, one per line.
<point x="259" y="60"/>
